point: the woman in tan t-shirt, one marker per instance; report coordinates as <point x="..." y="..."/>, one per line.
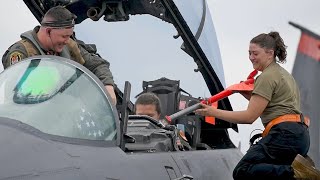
<point x="275" y="98"/>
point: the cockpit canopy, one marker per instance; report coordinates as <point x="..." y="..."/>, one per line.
<point x="57" y="97"/>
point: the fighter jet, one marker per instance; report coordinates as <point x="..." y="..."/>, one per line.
<point x="57" y="120"/>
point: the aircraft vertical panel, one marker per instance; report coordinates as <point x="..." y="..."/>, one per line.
<point x="306" y="72"/>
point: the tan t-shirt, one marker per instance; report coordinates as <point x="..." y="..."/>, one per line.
<point x="279" y="87"/>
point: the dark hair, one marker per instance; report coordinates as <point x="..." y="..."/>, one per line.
<point x="272" y="41"/>
<point x="148" y="99"/>
<point x="58" y="16"/>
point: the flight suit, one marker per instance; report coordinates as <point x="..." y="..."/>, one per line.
<point x="29" y="46"/>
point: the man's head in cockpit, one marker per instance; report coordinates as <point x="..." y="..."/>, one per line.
<point x="148" y="104"/>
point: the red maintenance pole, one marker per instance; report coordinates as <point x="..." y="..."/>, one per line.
<point x="242" y="86"/>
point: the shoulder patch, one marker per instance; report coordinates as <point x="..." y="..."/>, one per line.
<point x="15" y="57"/>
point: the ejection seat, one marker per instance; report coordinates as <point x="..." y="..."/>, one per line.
<point x="172" y="100"/>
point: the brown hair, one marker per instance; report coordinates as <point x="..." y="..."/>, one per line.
<point x="58" y="16"/>
<point x="148" y="99"/>
<point x="272" y="41"/>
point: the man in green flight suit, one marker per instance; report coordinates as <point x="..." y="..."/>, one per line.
<point x="53" y="38"/>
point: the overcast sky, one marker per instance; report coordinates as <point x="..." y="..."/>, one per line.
<point x="236" y="23"/>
